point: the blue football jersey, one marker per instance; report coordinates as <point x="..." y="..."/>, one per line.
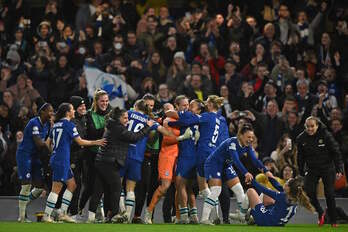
<point x="281" y="211"/>
<point x="224" y="134"/>
<point x="230" y="149"/>
<point x="187" y="147"/>
<point x="62" y="135"/>
<point x="33" y="128"/>
<point x="137" y="121"/>
<point x="209" y="129"/>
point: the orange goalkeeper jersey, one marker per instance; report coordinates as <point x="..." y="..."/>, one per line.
<point x="169" y="146"/>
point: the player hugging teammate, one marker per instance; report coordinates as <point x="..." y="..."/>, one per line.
<point x="195" y="149"/>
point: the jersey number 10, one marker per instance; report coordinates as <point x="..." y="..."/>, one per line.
<point x="137" y="127"/>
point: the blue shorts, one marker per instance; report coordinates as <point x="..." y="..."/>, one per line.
<point x="131" y="170"/>
<point x="61" y="172"/>
<point x="202" y="157"/>
<point x="262" y="216"/>
<point x="229" y="173"/>
<point x="217" y="171"/>
<point x="186" y="167"/>
<point x="29" y="168"/>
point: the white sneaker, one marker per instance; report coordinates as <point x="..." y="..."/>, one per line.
<point x="77" y="218"/>
<point x="23" y="220"/>
<point x="249" y="218"/>
<point x="207" y="222"/>
<point x="183" y="221"/>
<point x="194" y="219"/>
<point x="90" y="221"/>
<point x="48" y="219"/>
<point x="238" y="216"/>
<point x="66" y="218"/>
<point x="120" y="218"/>
<point x="148" y="217"/>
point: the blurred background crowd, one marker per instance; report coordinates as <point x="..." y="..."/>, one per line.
<point x="275" y="62"/>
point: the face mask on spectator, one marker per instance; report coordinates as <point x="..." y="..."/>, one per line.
<point x="82" y="50"/>
<point x="118" y="46"/>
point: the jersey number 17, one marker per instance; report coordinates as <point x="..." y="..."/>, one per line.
<point x="56" y="135"/>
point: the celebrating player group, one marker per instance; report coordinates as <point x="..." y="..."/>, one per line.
<point x="195" y="152"/>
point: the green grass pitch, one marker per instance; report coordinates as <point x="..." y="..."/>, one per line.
<point x="38" y="227"/>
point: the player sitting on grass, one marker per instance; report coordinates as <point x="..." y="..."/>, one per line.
<point x="282" y="204"/>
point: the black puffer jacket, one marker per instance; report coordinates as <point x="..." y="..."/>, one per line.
<point x="318" y="152"/>
<point x="118" y="138"/>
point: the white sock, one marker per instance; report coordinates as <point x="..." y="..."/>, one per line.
<point x="184" y="213"/>
<point x="100" y="209"/>
<point x="215" y="211"/>
<point x="245" y="203"/>
<point x="240" y="195"/>
<point x="205" y="192"/>
<point x="91" y="216"/>
<point x="35" y="193"/>
<point x="193" y="211"/>
<point x="130" y="202"/>
<point x="210" y="202"/>
<point x="51" y="203"/>
<point x="23" y="200"/>
<point x="122" y="207"/>
<point x="66" y="200"/>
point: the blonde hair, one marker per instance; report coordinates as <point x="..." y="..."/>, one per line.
<point x="178" y="99"/>
<point x="316" y="119"/>
<point x="216" y="100"/>
<point x="97" y="94"/>
<point x="142" y="106"/>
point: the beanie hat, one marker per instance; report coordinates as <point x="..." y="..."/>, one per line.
<point x="76" y="101"/>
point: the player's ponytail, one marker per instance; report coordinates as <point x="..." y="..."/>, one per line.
<point x="297" y="194"/>
<point x="216" y="101"/>
<point x="303" y="199"/>
<point x="62" y="110"/>
<point x="143" y="107"/>
<point x="243" y="129"/>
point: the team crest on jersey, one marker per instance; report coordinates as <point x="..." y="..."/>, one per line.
<point x="232" y="146"/>
<point x="28" y="175"/>
<point x="36" y="130"/>
<point x="218" y="174"/>
<point x="166" y="173"/>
